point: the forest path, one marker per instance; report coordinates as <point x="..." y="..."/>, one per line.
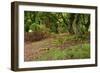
<point x="34" y="50"/>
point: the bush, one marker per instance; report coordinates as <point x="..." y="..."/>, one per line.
<point x="35" y="36"/>
<point x="39" y="28"/>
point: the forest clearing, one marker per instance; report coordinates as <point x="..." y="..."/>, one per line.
<point x="56" y="36"/>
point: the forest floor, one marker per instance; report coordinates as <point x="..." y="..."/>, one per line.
<point x="62" y="46"/>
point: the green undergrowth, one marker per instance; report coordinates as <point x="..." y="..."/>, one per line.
<point x="59" y="40"/>
<point x="80" y="51"/>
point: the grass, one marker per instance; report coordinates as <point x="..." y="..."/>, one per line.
<point x="79" y="51"/>
<point x="74" y="52"/>
<point x="60" y="40"/>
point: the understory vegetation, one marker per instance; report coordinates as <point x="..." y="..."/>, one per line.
<point x="80" y="51"/>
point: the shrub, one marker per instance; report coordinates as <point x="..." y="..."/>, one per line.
<point x="34" y="36"/>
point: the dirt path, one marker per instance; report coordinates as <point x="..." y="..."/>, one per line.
<point x="34" y="50"/>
